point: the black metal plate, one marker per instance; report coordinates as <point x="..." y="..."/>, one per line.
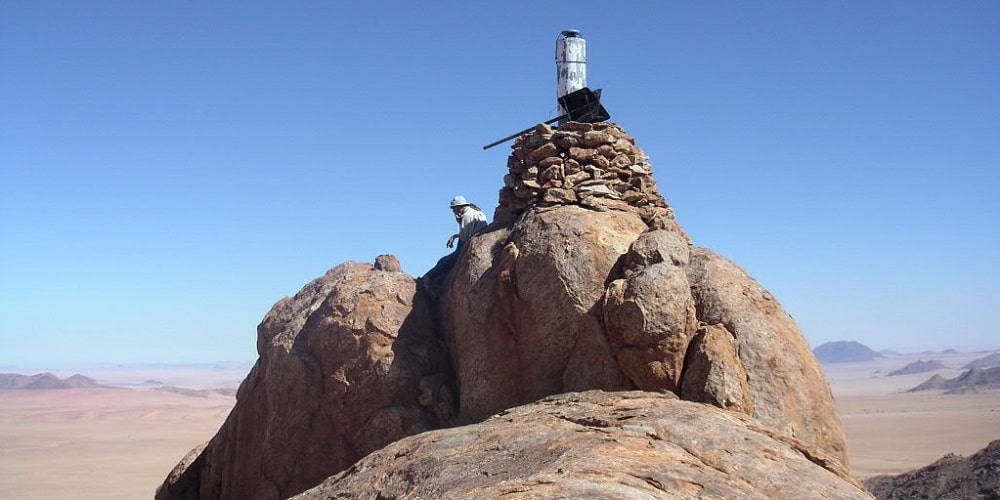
<point x="584" y="106"/>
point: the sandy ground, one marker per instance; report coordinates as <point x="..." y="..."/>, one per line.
<point x="120" y="443"/>
<point x="116" y="443"/>
<point x="890" y="431"/>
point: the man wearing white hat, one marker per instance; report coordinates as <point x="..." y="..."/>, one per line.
<point x="471" y="220"/>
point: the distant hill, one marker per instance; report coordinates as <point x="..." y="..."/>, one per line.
<point x="844" y="351"/>
<point x="919" y="366"/>
<point x="973" y="380"/>
<point x="932" y="384"/>
<point x="80" y="381"/>
<point x="45" y="381"/>
<point x="986" y="362"/>
<point x="197" y="393"/>
<point x="951" y="476"/>
<point x="943" y="351"/>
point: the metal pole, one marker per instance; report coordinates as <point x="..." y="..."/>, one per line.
<point x="509" y="137"/>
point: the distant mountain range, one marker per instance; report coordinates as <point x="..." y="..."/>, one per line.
<point x="45" y="381"/>
<point x="844" y="351"/>
<point x="919" y="366"/>
<point x="973" y="380"/>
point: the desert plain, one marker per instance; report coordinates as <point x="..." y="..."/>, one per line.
<point x="890" y="430"/>
<point x="120" y="442"/>
<point x="111" y="443"/>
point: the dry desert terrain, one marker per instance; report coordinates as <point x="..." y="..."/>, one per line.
<point x="119" y="443"/>
<point x="114" y="443"/>
<point x="890" y="430"/>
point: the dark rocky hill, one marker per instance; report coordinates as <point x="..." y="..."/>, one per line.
<point x="919" y="366"/>
<point x="985" y="362"/>
<point x="844" y="351"/>
<point x="973" y="380"/>
<point x="951" y="477"/>
<point x="937" y="382"/>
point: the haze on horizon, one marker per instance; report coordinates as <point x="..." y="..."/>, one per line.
<point x="172" y="170"/>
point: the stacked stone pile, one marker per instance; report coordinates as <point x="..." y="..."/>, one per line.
<point x="595" y="165"/>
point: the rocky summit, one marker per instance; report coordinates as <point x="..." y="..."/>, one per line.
<point x="582" y="345"/>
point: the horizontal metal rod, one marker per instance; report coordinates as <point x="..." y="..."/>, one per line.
<point x="509" y="137"/>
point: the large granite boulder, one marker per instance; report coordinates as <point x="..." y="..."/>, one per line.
<point x="522" y="313"/>
<point x="570" y="299"/>
<point x="786" y="385"/>
<point x="347" y="365"/>
<point x="598" y="445"/>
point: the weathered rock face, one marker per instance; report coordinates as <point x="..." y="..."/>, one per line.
<point x="570" y="299"/>
<point x="649" y="312"/>
<point x="184" y="481"/>
<point x="714" y="373"/>
<point x="584" y="282"/>
<point x="523" y="324"/>
<point x="786" y="385"/>
<point x="597" y="445"/>
<point x="346" y="366"/>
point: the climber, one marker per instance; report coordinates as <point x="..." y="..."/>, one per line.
<point x="471" y="220"/>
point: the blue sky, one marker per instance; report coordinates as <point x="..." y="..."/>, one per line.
<point x="171" y="169"/>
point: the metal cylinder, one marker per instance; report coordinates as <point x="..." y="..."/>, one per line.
<point x="571" y="64"/>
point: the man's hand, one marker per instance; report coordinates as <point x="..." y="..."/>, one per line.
<point x="451" y="241"/>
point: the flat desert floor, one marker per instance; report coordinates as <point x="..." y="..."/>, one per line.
<point x="120" y="443"/>
<point x="116" y="443"/>
<point x="890" y="431"/>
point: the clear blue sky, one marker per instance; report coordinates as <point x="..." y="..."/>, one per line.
<point x="171" y="169"/>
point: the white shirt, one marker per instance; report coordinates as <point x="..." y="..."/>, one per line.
<point x="471" y="222"/>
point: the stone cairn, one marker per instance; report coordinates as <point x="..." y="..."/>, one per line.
<point x="594" y="165"/>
